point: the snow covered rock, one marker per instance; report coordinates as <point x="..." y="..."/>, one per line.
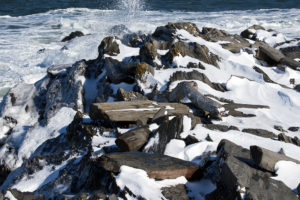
<point x="267" y="159"/>
<point x="157" y="166"/>
<point x="239" y="178"/>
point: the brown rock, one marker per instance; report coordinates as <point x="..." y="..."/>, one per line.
<point x="156" y="165"/>
<point x="133" y="140"/>
<point x="133" y="111"/>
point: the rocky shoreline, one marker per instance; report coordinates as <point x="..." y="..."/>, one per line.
<point x="177" y="114"/>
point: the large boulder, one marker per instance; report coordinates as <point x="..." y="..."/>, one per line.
<point x="267" y="159"/>
<point x="232" y="43"/>
<point x="109" y="46"/>
<point x="237" y="174"/>
<point x="167" y="32"/>
<point x="133" y="111"/>
<point x="189" y="90"/>
<point x="193" y="50"/>
<point x="156" y="165"/>
<point x="249" y="33"/>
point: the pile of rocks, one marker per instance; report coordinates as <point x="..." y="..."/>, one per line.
<point x="119" y="102"/>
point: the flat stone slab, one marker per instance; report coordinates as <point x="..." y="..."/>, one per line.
<point x="156" y="165"/>
<point x="133" y="111"/>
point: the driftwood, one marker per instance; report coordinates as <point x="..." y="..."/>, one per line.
<point x="133" y="111"/>
<point x="267" y="159"/>
<point x="189" y="90"/>
<point x="133" y="140"/>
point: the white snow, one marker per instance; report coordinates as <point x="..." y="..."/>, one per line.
<point x="142" y="185"/>
<point x="288" y="172"/>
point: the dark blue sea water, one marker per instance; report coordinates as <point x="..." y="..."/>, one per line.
<point x="26" y="7"/>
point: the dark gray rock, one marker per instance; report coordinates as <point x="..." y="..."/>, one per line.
<point x="291" y="63"/>
<point x="58" y="69"/>
<point x="266" y="78"/>
<point x="297" y="88"/>
<point x="260" y="132"/>
<point x="237" y="170"/>
<point x="291" y="52"/>
<point x="137" y="40"/>
<point x="249" y="33"/>
<point x="123" y="95"/>
<point x="190" y="140"/>
<point x="168" y="130"/>
<point x="267" y="159"/>
<point x="177" y="192"/>
<point x="195" y="75"/>
<point x="233" y="42"/>
<point x="222" y="128"/>
<point x="285" y="138"/>
<point x="279" y="128"/>
<point x="72" y="36"/>
<point x="148" y="53"/>
<point x="133" y="111"/>
<point x="156" y="165"/>
<point x="118" y="72"/>
<point x="133" y="140"/>
<point x="269" y="54"/>
<point x="294" y="129"/>
<point x="193" y="50"/>
<point x="25" y="195"/>
<point x="298" y="189"/>
<point x="167" y="32"/>
<point x="189" y="90"/>
<point x="109" y="46"/>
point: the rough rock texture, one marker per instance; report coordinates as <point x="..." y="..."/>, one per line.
<point x="109" y="46"/>
<point x="123" y="95"/>
<point x="157" y="166"/>
<point x="237" y="170"/>
<point x="133" y="111"/>
<point x="72" y="36"/>
<point x="133" y="140"/>
<point x="249" y="33"/>
<point x="267" y="159"/>
<point x="189" y="90"/>
<point x="260" y="132"/>
<point x="166" y="32"/>
<point x="177" y="192"/>
<point x="232" y="43"/>
<point x="193" y="50"/>
<point x="291" y="52"/>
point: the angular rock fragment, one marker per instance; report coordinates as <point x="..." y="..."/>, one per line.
<point x="177" y="192"/>
<point x="297" y="88"/>
<point x="285" y="138"/>
<point x="232" y="43"/>
<point x="195" y="75"/>
<point x="249" y="33"/>
<point x="123" y="95"/>
<point x="168" y="130"/>
<point x="72" y="36"/>
<point x="294" y="129"/>
<point x="157" y="166"/>
<point x="133" y="111"/>
<point x="193" y="50"/>
<point x="260" y="132"/>
<point x="148" y="53"/>
<point x="267" y="159"/>
<point x="189" y="90"/>
<point x="109" y="46"/>
<point x="134" y="139"/>
<point x="237" y="171"/>
<point x="291" y="52"/>
<point x="167" y="32"/>
<point x="269" y="54"/>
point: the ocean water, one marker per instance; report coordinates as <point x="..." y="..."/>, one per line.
<point x="31" y="31"/>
